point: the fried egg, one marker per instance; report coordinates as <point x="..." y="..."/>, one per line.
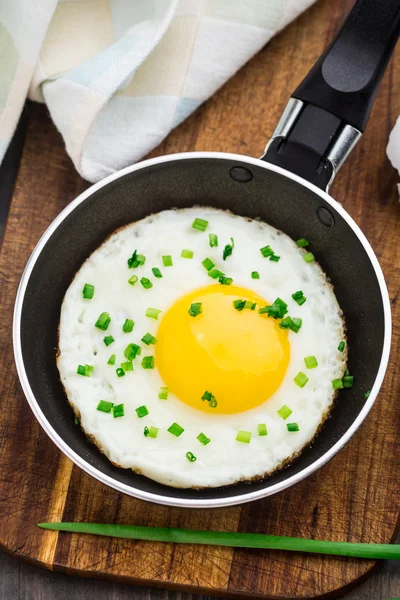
<point x="201" y="348"/>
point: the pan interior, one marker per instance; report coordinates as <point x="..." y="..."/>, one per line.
<point x="270" y="196"/>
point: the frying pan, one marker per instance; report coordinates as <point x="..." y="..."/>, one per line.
<point x="286" y="188"/>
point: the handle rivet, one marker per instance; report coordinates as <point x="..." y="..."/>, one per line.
<point x="241" y="175"/>
<point x="325" y="216"/>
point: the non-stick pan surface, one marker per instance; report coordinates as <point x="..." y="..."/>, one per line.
<point x="267" y="192"/>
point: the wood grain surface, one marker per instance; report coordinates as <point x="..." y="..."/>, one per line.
<point x="356" y="497"/>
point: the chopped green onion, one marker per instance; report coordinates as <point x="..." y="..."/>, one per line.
<point x="176" y="429"/>
<point x="255" y="275"/>
<point x="289" y="323"/>
<point x="203" y="439"/>
<point x="367" y="394"/>
<point x="337" y="384"/>
<point x="243" y="436"/>
<point x="152" y="313"/>
<point x="128" y="326"/>
<point x="111" y="360"/>
<point x="120" y="372"/>
<point x="163" y="393"/>
<point x="228" y="249"/>
<point x="142" y="411"/>
<point x="146" y="431"/>
<point x="266" y="251"/>
<point x="296" y="324"/>
<point x="133" y="279"/>
<point x="311" y="362"/>
<point x="76" y="421"/>
<point x="104" y="406"/>
<point x="348" y="381"/>
<point x="156" y="272"/>
<point x="225" y="280"/>
<point x="309" y="257"/>
<point x="131" y="351"/>
<point x="302" y="243"/>
<point x="239" y="304"/>
<point x="207" y="396"/>
<point x="215" y="273"/>
<point x="103" y="321"/>
<point x="149" y="339"/>
<point x="187" y="253"/>
<point x="284" y="412"/>
<point x="85" y="370"/>
<point x="89" y="368"/>
<point x="212" y="402"/>
<point x="108" y="340"/>
<point x="146" y="283"/>
<point x="148" y="362"/>
<point x="190" y="456"/>
<point x="299" y="297"/>
<point x="88" y="291"/>
<point x="250" y="305"/>
<point x="262" y="429"/>
<point x="151" y="432"/>
<point x="200" y="224"/>
<point x="136" y="260"/>
<point x="274" y="258"/>
<point x="277" y="310"/>
<point x="341" y="346"/>
<point x="167" y="260"/>
<point x="208" y="264"/>
<point x="118" y="411"/>
<point x="292" y="427"/>
<point x="195" y="309"/>
<point x="213" y="240"/>
<point x="127" y="366"/>
<point x="301" y="379"/>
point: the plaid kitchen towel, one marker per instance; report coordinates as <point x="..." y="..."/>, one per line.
<point x="118" y="75"/>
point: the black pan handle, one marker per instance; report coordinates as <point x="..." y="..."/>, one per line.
<point x="329" y="110"/>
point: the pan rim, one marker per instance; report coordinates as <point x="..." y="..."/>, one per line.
<point x="159" y="498"/>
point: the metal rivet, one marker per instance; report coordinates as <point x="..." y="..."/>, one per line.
<point x="241" y="174"/>
<point x="325" y="216"/>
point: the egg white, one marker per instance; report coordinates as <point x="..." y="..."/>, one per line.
<point x="224" y="460"/>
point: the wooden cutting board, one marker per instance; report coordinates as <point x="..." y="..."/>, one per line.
<point x="355" y="497"/>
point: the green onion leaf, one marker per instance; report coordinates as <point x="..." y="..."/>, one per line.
<point x="348" y="381"/>
<point x="208" y="264"/>
<point x="103" y="321"/>
<point x="142" y="411"/>
<point x="148" y="362"/>
<point x="284" y="412"/>
<point x="149" y="339"/>
<point x="228" y="249"/>
<point x="311" y="362"/>
<point x="120" y="372"/>
<point x="309" y="257"/>
<point x="146" y="283"/>
<point x="203" y="439"/>
<point x="176" y="429"/>
<point x="136" y="260"/>
<point x="301" y="379"/>
<point x="337" y="384"/>
<point x="243" y="436"/>
<point x="190" y="456"/>
<point x="239" y="304"/>
<point x="167" y="260"/>
<point x="153" y="432"/>
<point x="277" y="310"/>
<point x="212" y="402"/>
<point x="152" y="313"/>
<point x="266" y="251"/>
<point x="341" y="346"/>
<point x="128" y="326"/>
<point x="213" y="240"/>
<point x="250" y="305"/>
<point x="225" y="280"/>
<point x="302" y="243"/>
<point x="118" y="411"/>
<point x="127" y="366"/>
<point x="200" y="224"/>
<point x="104" y="406"/>
<point x="111" y="360"/>
<point x="255" y="275"/>
<point x="187" y="253"/>
<point x="262" y="429"/>
<point x="296" y="324"/>
<point x="207" y="396"/>
<point x="156" y="272"/>
<point x="274" y="258"/>
<point x="132" y="280"/>
<point x="292" y="427"/>
<point x="108" y="340"/>
<point x="299" y="297"/>
<point x="131" y="351"/>
<point x="88" y="291"/>
<point x="215" y="273"/>
<point x="367" y="394"/>
<point x="163" y="393"/>
<point x="85" y="370"/>
<point x="195" y="309"/>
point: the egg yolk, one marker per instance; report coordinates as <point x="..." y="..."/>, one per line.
<point x="238" y="356"/>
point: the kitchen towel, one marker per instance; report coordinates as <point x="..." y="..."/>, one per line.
<point x="118" y="75"/>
